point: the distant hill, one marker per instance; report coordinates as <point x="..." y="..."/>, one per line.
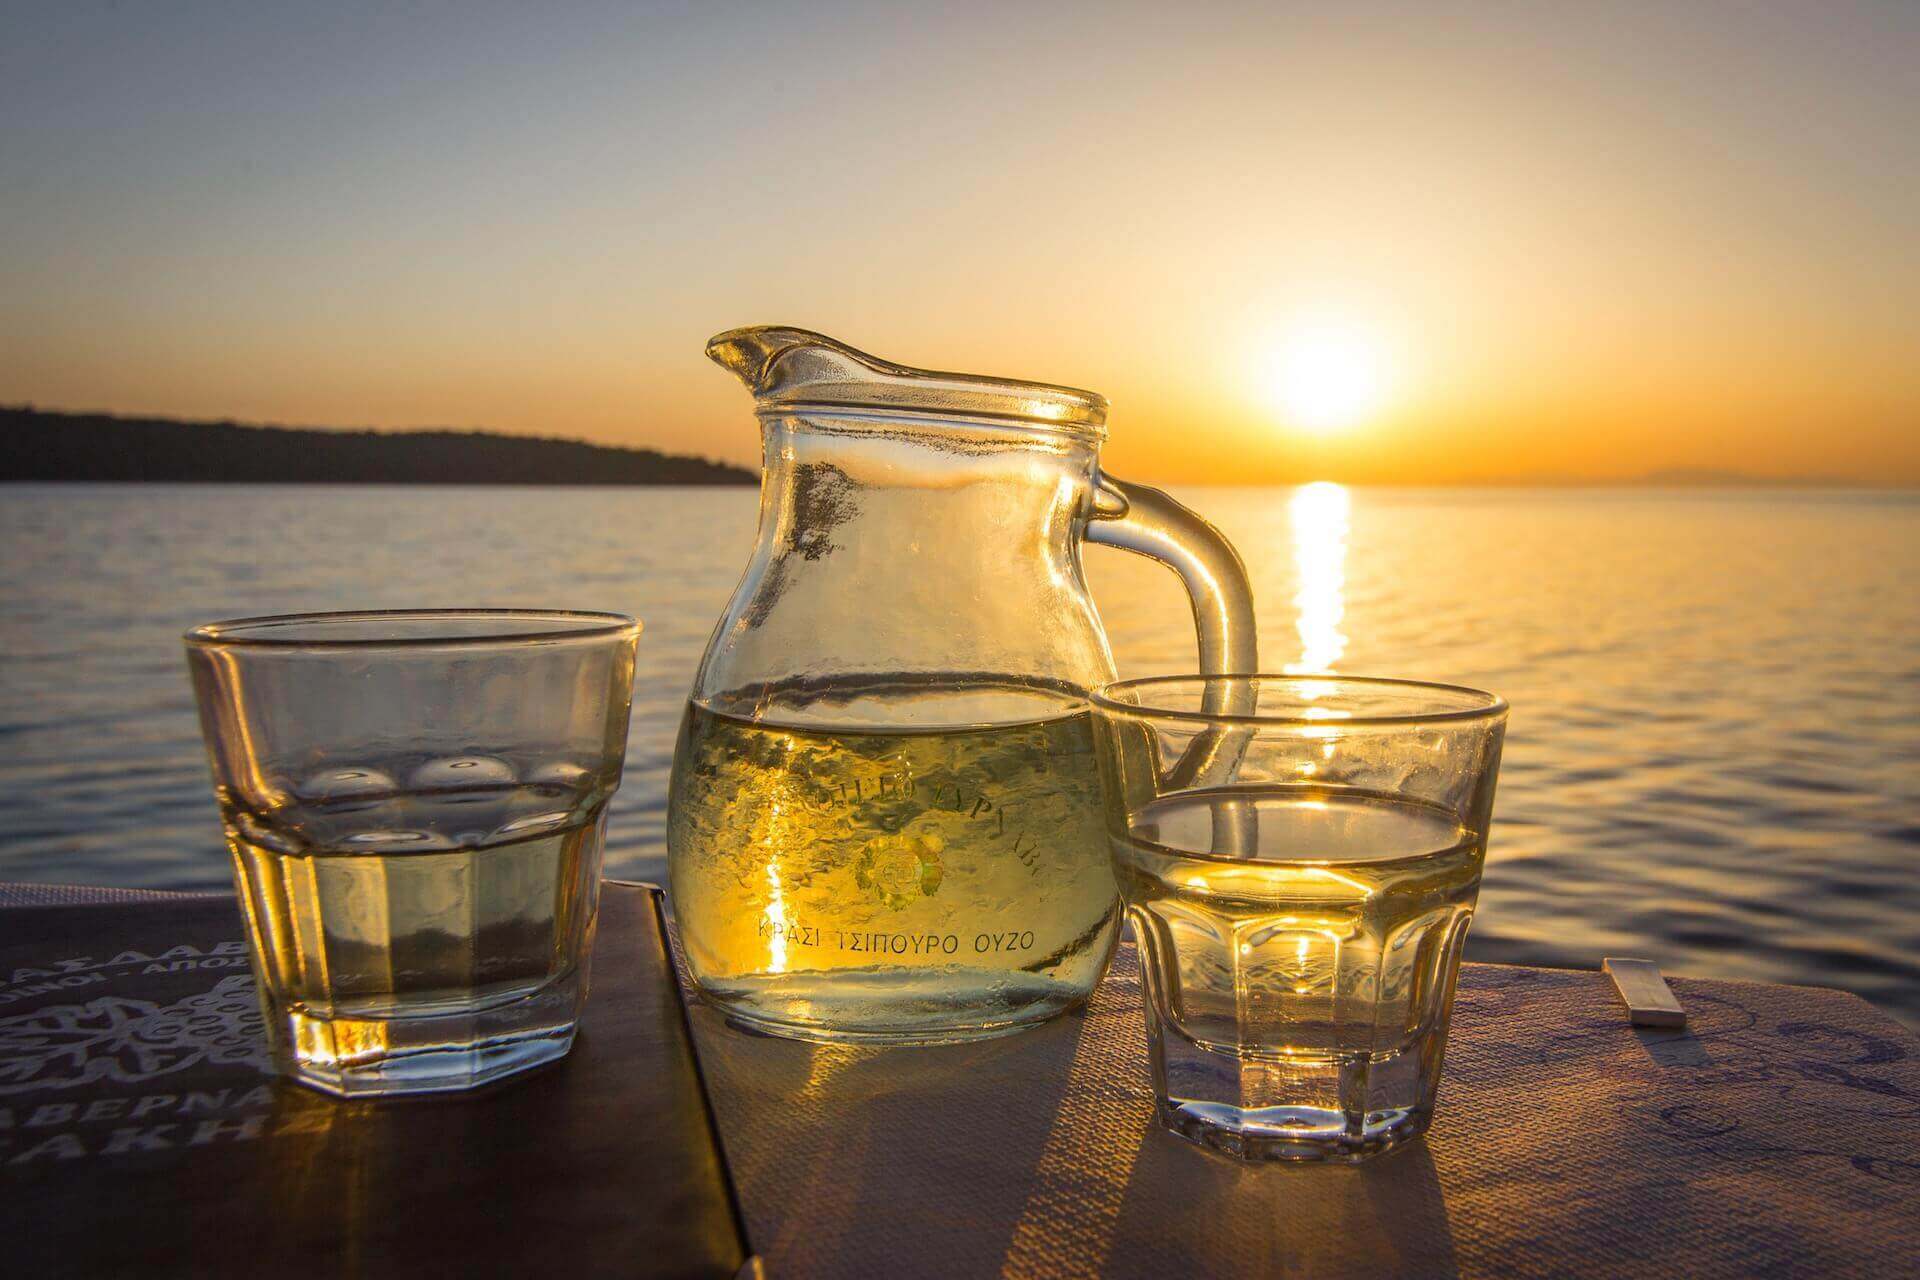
<point x="39" y="445"/>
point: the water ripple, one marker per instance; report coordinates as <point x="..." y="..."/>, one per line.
<point x="1713" y="761"/>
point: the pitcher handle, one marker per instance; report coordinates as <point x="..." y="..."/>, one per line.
<point x="1144" y="520"/>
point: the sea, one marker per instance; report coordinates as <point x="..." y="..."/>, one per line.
<point x="1713" y="759"/>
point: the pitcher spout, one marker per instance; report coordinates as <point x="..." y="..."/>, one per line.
<point x="796" y="369"/>
<point x="766" y="356"/>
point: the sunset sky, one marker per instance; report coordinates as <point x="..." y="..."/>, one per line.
<point x="1358" y="242"/>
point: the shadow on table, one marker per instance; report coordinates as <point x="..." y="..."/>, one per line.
<point x="1188" y="1208"/>
<point x="922" y="1160"/>
<point x="1032" y="1155"/>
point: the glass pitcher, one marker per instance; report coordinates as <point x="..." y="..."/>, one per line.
<point x="886" y="819"/>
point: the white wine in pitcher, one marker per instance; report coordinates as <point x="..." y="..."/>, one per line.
<point x="938" y="883"/>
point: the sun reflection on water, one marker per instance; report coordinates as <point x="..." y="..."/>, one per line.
<point x="1319" y="519"/>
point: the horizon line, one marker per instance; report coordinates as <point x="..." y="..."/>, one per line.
<point x="1680" y="477"/>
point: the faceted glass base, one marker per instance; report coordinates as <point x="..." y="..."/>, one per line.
<point x="1340" y="1107"/>
<point x="1305" y="1134"/>
<point x="362" y="1057"/>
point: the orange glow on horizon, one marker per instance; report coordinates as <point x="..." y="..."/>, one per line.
<point x="1444" y="249"/>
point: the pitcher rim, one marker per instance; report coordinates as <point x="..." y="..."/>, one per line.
<point x="934" y="419"/>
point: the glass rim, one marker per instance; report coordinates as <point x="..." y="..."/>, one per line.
<point x="1488" y="706"/>
<point x="566" y="624"/>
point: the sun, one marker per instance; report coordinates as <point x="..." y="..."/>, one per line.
<point x="1328" y="377"/>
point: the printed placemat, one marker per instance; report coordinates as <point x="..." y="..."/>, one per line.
<point x="142" y="1134"/>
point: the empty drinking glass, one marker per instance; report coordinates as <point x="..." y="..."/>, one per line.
<point x="1300" y="856"/>
<point x="415" y="803"/>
